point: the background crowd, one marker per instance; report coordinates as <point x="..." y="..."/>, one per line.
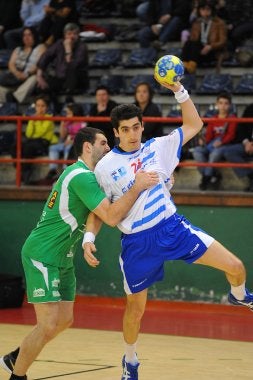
<point x="49" y="58"/>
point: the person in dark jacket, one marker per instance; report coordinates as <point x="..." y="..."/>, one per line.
<point x="241" y="151"/>
<point x="63" y="66"/>
<point x="144" y="99"/>
<point x="103" y="107"/>
<point x="165" y="21"/>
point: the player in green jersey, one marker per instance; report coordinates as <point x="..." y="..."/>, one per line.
<point x="48" y="252"/>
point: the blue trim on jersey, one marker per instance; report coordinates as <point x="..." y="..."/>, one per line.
<point x="155" y="200"/>
<point x="148" y="218"/>
<point x="148" y="157"/>
<point x="180" y="131"/>
<point x="158" y="187"/>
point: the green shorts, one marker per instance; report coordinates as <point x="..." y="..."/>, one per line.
<point x="47" y="283"/>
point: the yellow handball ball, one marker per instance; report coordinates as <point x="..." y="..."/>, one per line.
<point x="169" y="68"/>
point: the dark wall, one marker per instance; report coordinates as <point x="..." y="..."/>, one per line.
<point x="232" y="226"/>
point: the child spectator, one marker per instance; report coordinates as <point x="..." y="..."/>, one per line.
<point x="211" y="146"/>
<point x="39" y="134"/>
<point x="68" y="130"/>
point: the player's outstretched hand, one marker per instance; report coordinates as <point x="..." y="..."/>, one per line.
<point x="88" y="249"/>
<point x="173" y="87"/>
<point x="144" y="180"/>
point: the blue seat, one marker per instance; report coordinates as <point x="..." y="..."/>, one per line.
<point x="245" y="85"/>
<point x="106" y="58"/>
<point x="142" y="57"/>
<point x="142" y="78"/>
<point x="115" y="83"/>
<point x="216" y="83"/>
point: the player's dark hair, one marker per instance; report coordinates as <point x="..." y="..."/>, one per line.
<point x="85" y="134"/>
<point x="125" y="112"/>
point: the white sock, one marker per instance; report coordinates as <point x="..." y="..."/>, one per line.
<point x="238" y="291"/>
<point x="130" y="350"/>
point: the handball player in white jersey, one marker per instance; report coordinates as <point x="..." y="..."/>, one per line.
<point x="153" y="232"/>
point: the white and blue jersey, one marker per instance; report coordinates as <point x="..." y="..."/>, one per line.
<point x="116" y="173"/>
<point x="152" y="232"/>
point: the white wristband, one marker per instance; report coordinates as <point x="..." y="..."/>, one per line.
<point x="88" y="237"/>
<point x="181" y="95"/>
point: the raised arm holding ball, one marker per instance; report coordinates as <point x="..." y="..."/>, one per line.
<point x="153" y="232"/>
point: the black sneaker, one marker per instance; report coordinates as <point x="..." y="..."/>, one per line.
<point x="7" y="362"/>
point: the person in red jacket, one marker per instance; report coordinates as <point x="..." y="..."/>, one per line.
<point x="218" y="134"/>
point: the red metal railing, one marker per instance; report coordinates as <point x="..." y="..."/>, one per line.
<point x="168" y="120"/>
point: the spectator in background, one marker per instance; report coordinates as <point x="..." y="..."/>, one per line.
<point x="208" y="38"/>
<point x="68" y="130"/>
<point x="39" y="134"/>
<point x="143" y="98"/>
<point x="58" y="13"/>
<point x="31" y="14"/>
<point x="166" y="19"/>
<point x="20" y="79"/>
<point x="9" y="17"/>
<point x="103" y="107"/>
<point x="218" y="135"/>
<point x="239" y="17"/>
<point x="241" y="151"/>
<point x="63" y="67"/>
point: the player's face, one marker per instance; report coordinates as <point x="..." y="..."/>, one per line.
<point x="129" y="134"/>
<point x="100" y="148"/>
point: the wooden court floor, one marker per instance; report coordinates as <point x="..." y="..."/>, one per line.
<point x="84" y="354"/>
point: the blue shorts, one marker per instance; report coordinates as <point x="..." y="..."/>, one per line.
<point x="144" y="253"/>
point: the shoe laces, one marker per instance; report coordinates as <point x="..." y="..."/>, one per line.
<point x="126" y="373"/>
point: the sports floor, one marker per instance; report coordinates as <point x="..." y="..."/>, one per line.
<point x="179" y="341"/>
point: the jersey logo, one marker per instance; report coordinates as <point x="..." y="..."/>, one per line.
<point x="136" y="165"/>
<point x="118" y="173"/>
<point x="52" y="199"/>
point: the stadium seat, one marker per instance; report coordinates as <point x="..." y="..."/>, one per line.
<point x="115" y="83"/>
<point x="5" y="55"/>
<point x="106" y="58"/>
<point x="142" y="57"/>
<point x="245" y="85"/>
<point x="142" y="78"/>
<point x="216" y="83"/>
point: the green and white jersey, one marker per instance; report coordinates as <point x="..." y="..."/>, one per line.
<point x="61" y="225"/>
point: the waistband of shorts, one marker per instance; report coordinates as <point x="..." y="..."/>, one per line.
<point x="151" y="229"/>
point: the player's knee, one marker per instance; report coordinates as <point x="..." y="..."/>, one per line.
<point x="49" y="330"/>
<point x="237" y="267"/>
<point x="135" y="312"/>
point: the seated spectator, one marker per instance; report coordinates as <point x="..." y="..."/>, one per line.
<point x="239" y="19"/>
<point x="241" y="151"/>
<point x="58" y="13"/>
<point x="217" y="136"/>
<point x="9" y="18"/>
<point x="143" y="98"/>
<point x="63" y="67"/>
<point x="39" y="134"/>
<point x="103" y="107"/>
<point x="166" y="19"/>
<point x="20" y="79"/>
<point x="208" y="38"/>
<point x="68" y="130"/>
<point x="31" y="14"/>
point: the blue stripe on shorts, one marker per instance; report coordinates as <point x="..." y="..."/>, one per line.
<point x="144" y="253"/>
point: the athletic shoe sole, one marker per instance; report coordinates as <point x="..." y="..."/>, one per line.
<point x="4" y="366"/>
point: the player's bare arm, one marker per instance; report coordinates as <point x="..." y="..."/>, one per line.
<point x="192" y="123"/>
<point x="113" y="213"/>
